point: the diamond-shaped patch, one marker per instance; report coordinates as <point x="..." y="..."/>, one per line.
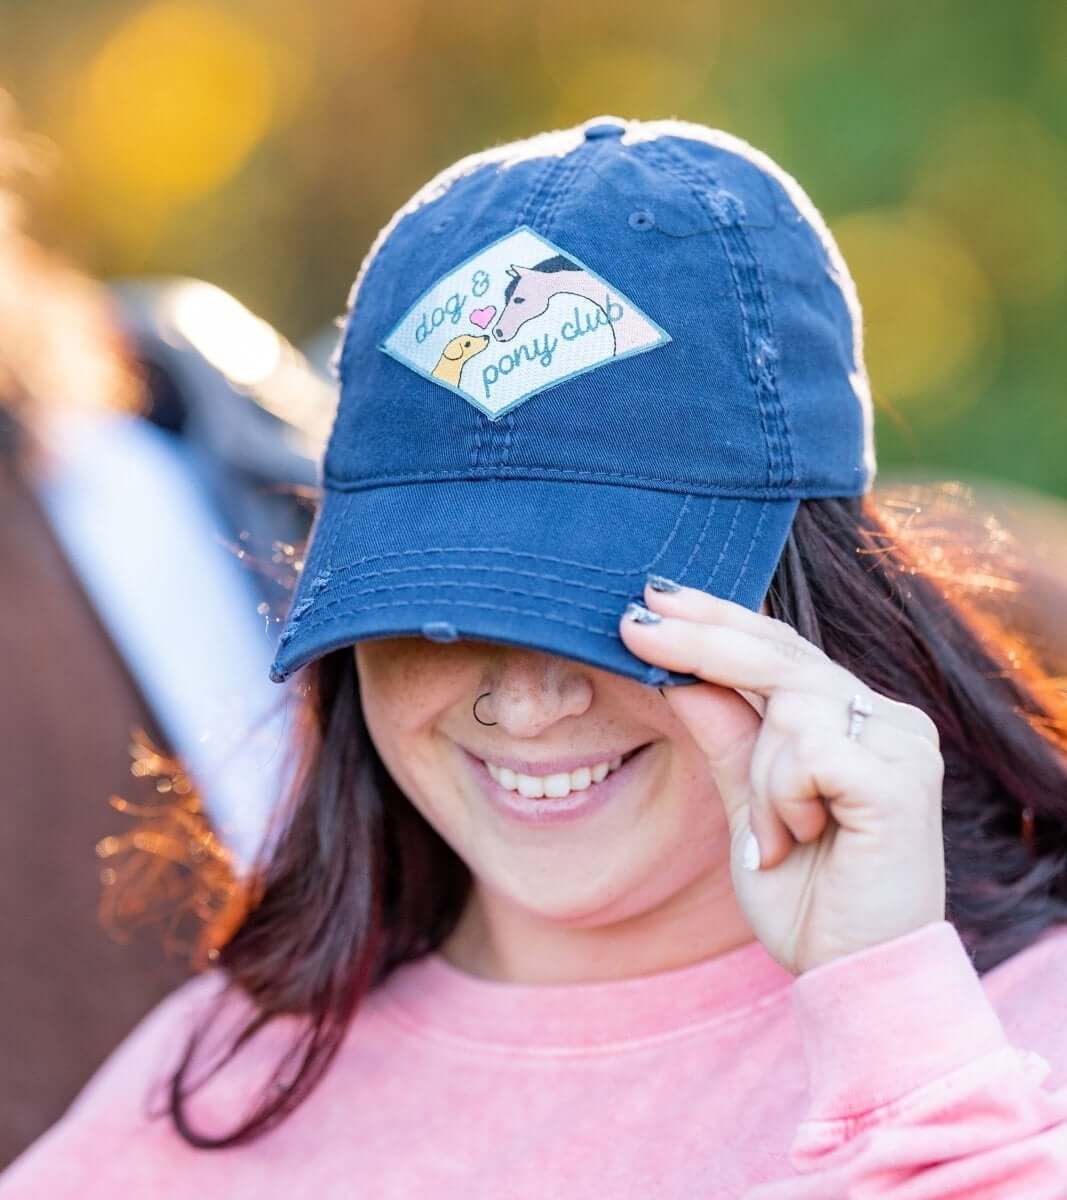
<point x="515" y="318"/>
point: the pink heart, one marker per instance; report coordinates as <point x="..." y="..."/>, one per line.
<point x="482" y="316"/>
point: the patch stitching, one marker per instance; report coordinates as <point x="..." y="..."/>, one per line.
<point x="605" y="323"/>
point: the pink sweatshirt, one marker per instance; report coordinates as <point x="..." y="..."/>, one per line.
<point x="894" y="1072"/>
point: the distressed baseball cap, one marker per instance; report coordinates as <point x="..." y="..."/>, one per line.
<point x="570" y="361"/>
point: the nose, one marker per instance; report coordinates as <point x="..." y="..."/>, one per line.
<point x="530" y="691"/>
<point x="498" y="333"/>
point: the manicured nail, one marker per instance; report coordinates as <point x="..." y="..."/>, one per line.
<point x="640" y="614"/>
<point x="660" y="583"/>
<point x="750" y="856"/>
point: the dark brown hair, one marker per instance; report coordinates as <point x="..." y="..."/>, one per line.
<point x="358" y="882"/>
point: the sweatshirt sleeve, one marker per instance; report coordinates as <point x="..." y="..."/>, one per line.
<point x="915" y="1090"/>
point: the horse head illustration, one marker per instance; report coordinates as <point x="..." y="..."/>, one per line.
<point x="530" y="289"/>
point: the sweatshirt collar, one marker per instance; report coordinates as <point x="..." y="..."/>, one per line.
<point x="433" y="995"/>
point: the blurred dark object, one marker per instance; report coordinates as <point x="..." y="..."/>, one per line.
<point x="156" y="441"/>
<point x="129" y="603"/>
<point x="67" y="702"/>
<point x="67" y="705"/>
<point x="252" y="411"/>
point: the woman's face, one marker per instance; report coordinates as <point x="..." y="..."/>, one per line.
<point x="661" y="830"/>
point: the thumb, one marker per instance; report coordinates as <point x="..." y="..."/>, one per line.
<point x="725" y="726"/>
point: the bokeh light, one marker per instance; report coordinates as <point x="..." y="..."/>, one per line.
<point x="260" y="146"/>
<point x="171" y="105"/>
<point x="928" y="308"/>
<point x="235" y="341"/>
<point x="999" y="176"/>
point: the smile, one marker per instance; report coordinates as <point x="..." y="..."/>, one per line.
<point x="544" y="808"/>
<point x="556" y="786"/>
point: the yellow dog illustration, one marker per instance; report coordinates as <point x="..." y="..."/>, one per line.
<point x="456" y="352"/>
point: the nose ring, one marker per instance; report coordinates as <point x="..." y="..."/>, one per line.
<point x="475" y="711"/>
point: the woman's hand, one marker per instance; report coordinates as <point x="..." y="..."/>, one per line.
<point x="849" y="831"/>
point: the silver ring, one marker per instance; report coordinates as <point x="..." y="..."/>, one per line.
<point x="859" y="710"/>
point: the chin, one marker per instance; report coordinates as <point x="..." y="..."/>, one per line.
<point x="583" y="902"/>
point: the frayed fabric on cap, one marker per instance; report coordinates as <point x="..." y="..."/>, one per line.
<point x="568" y="361"/>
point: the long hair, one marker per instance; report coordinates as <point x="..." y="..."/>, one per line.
<point x="358" y="882"/>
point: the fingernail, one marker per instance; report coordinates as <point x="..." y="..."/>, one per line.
<point x="660" y="583"/>
<point x="750" y="857"/>
<point x="640" y="614"/>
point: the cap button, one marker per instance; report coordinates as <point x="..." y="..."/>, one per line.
<point x="604" y="129"/>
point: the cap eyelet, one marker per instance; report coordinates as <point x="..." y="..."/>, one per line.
<point x="442" y="224"/>
<point x="641" y="218"/>
<point x="439" y="631"/>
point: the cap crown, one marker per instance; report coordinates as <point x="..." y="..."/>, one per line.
<point x="696" y="329"/>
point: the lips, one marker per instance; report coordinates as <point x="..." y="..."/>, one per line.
<point x="546" y="810"/>
<point x="555" y="784"/>
<point x="552" y="766"/>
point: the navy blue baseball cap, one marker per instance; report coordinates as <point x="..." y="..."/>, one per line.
<point x="622" y="348"/>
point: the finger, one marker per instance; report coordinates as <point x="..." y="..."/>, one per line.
<point x="785" y="792"/>
<point x="775" y="829"/>
<point x="726" y="728"/>
<point x="888" y="731"/>
<point x="697" y="605"/>
<point x="758" y="702"/>
<point x="827" y="770"/>
<point x="730" y="658"/>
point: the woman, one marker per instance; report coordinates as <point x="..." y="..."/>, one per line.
<point x="633" y="744"/>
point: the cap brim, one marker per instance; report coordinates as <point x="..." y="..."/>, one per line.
<point x="541" y="564"/>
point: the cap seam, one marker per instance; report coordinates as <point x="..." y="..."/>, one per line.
<point x="726" y="544"/>
<point x="546" y="471"/>
<point x="321" y="618"/>
<point x="382" y="245"/>
<point x="564" y="170"/>
<point x="743" y="569"/>
<point x="811" y="217"/>
<point x="762" y="351"/>
<point x="322" y="613"/>
<point x="322" y="609"/>
<point x="695" y="549"/>
<point x="420" y="551"/>
<point x="532" y="205"/>
<point x="496" y="568"/>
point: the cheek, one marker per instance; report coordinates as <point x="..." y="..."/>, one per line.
<point x="406" y="682"/>
<point x="405" y="687"/>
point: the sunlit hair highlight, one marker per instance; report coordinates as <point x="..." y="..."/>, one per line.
<point x="358" y="882"/>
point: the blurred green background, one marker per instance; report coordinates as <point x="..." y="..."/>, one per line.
<point x="261" y="144"/>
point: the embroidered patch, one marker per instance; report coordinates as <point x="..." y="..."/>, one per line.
<point x="515" y="318"/>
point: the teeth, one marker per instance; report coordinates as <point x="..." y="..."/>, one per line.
<point x="553" y="786"/>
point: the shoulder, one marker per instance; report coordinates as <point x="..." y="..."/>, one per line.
<point x="112" y="1117"/>
<point x="120" y="1086"/>
<point x="1029" y="991"/>
<point x="152" y="1048"/>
